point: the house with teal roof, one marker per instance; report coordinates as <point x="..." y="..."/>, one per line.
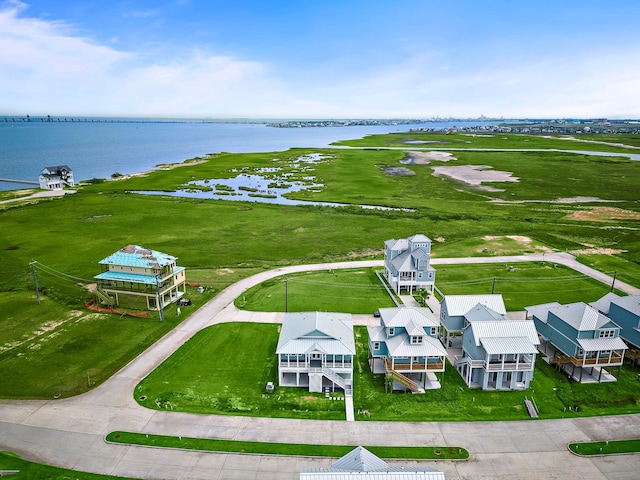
<point x="625" y="312"/>
<point x="137" y="277"/>
<point x="579" y="339"/>
<point x="405" y="348"/>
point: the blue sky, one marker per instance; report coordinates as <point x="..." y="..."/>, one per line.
<point x="320" y="59"/>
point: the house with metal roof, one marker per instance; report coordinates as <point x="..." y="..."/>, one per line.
<point x="454" y="308"/>
<point x="316" y="350"/>
<point x="405" y="348"/>
<point x="625" y="312"/>
<point x="56" y="178"/>
<point x="579" y="339"/>
<point x="407" y="263"/>
<point x="360" y="463"/>
<point x="497" y="353"/>
<point x="137" y="277"/>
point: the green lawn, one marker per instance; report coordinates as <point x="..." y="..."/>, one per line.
<point x="348" y="291"/>
<point x="223" y="369"/>
<point x="611" y="447"/>
<point x="215" y="445"/>
<point x="530" y="283"/>
<point x="232" y="381"/>
<point x="30" y="470"/>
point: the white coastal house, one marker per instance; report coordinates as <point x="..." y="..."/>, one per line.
<point x="407" y="263"/>
<point x="316" y="350"/>
<point x="56" y="178"/>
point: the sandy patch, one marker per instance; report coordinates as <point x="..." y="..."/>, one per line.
<point x="581" y="200"/>
<point x="603" y="214"/>
<point x="224" y="271"/>
<point x="422" y="158"/>
<point x="300" y="230"/>
<point x="439" y="239"/>
<point x="496" y="246"/>
<point x="475" y="175"/>
<point x="597" y="251"/>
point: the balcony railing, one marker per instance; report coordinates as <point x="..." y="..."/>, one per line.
<point x="615" y="359"/>
<point x="305" y="365"/>
<point x="509" y="366"/>
<point x="418" y="367"/>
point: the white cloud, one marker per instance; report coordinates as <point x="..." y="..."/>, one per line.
<point x="46" y="68"/>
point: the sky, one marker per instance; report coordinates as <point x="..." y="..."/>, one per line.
<point x="320" y="59"/>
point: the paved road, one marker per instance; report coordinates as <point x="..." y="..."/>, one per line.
<point x="70" y="432"/>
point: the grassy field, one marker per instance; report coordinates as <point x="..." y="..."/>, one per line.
<point x="232" y="381"/>
<point x="348" y="291"/>
<point x="298" y="449"/>
<point x="222" y="241"/>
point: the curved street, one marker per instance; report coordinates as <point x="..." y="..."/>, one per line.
<point x="70" y="432"/>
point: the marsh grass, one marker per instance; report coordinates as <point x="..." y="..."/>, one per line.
<point x="443" y="140"/>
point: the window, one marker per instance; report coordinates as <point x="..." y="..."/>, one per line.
<point x="376" y="345"/>
<point x="391" y="331"/>
<point x="416" y="339"/>
<point x="607" y="333"/>
<point x="433" y="330"/>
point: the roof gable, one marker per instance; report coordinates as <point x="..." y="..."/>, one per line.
<point x="136" y="256"/>
<point x="458" y="305"/>
<point x="303" y="330"/>
<point x="403" y="316"/>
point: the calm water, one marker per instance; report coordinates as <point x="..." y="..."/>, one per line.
<point x="101" y="149"/>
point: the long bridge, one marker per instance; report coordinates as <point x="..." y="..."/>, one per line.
<point x="9" y="180"/>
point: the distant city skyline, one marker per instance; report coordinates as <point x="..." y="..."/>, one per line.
<point x="330" y="59"/>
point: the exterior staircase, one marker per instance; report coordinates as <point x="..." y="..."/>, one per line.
<point x="106" y="299"/>
<point x="401" y="379"/>
<point x="335" y="378"/>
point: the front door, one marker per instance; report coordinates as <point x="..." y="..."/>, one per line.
<point x="316" y="360"/>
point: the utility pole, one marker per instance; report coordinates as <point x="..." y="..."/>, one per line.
<point x="158" y="299"/>
<point x="286" y="294"/>
<point x="35" y="279"/>
<point x="493" y="285"/>
<point x="614" y="279"/>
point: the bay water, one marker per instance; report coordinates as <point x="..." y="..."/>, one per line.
<point x="101" y="148"/>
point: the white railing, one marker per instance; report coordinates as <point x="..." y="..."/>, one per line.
<point x="509" y="366"/>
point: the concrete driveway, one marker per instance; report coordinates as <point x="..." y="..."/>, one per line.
<point x="70" y="432"/>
